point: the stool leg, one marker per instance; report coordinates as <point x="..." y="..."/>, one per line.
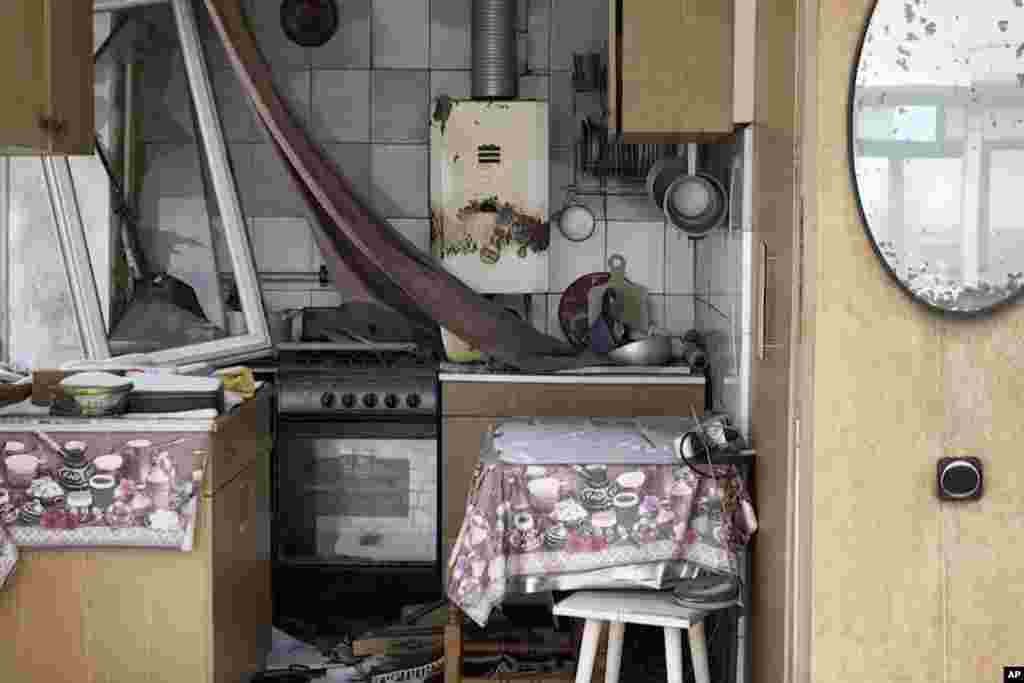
<point x="674" y="655"/>
<point x="699" y="653"/>
<point x="588" y="650"/>
<point x="613" y="662"/>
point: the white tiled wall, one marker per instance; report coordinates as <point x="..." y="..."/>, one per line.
<point x="366" y="98"/>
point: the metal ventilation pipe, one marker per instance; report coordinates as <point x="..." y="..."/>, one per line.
<point x="494" y="48"/>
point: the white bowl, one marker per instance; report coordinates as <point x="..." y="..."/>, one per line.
<point x="108" y="463"/>
<point x="631" y="480"/>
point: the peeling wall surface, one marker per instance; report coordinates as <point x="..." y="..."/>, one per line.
<point x="905" y="588"/>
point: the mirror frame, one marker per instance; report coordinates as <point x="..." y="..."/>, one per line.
<point x="71" y="229"/>
<point x="851" y="163"/>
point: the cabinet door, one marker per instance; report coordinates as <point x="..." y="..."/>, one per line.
<point x="461" y="438"/>
<point x="46" y="64"/>
<point x="675" y="68"/>
<point x="23" y="70"/>
<point x="107" y="615"/>
<point x="744" y="60"/>
<point x="241" y="574"/>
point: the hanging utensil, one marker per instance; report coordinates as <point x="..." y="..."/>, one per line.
<point x="696" y="203"/>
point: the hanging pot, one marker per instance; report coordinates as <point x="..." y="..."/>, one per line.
<point x="695" y="203"/>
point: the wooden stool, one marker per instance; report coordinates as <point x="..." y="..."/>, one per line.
<point x="636" y="607"/>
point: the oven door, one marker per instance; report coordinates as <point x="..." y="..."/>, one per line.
<point x="357" y="493"/>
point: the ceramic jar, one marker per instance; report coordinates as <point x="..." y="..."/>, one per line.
<point x="76" y="471"/>
<point x="79" y="504"/>
<point x="138" y="460"/>
<point x="158" y="486"/>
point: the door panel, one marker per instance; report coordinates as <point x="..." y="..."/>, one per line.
<point x="982" y="539"/>
<point x="241" y="575"/>
<point x="879" y="587"/>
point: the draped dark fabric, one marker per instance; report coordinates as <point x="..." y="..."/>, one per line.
<point x="366" y="256"/>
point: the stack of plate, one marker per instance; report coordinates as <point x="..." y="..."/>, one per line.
<point x="556" y="537"/>
<point x="707" y="592"/>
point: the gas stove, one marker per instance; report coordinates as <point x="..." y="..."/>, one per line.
<point x="357" y="361"/>
<point x="371" y="380"/>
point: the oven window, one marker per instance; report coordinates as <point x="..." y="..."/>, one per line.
<point x="357" y="500"/>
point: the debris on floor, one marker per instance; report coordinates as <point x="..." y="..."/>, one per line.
<point x="294" y="661"/>
<point x="410" y="650"/>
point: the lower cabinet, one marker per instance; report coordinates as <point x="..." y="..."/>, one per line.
<point x="109" y="616"/>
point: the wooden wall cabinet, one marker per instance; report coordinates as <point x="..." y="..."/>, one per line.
<point x="670" y="70"/>
<point x="47" y="70"/>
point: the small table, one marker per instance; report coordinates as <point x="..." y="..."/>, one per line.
<point x="670" y="524"/>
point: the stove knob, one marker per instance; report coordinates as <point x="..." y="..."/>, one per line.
<point x="412" y="400"/>
<point x="391" y="401"/>
<point x="370" y="400"/>
<point x="348" y="400"/>
<point x="327" y="400"/>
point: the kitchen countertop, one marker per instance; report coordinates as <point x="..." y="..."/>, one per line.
<point x="452" y="372"/>
<point x="26" y="415"/>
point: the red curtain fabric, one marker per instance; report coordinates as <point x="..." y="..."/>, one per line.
<point x="367" y="257"/>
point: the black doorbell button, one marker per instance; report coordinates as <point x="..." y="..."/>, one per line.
<point x="959" y="478"/>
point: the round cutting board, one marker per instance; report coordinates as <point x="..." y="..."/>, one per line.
<point x="574" y="308"/>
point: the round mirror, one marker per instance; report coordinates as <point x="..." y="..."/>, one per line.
<point x="937" y="147"/>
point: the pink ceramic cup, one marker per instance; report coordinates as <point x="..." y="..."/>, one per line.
<point x="21" y="469"/>
<point x="544" y="492"/>
<point x="108" y="464"/>
<point x="11" y="448"/>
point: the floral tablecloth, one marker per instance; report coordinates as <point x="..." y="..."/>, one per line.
<point x="526" y="520"/>
<point x="98" y="489"/>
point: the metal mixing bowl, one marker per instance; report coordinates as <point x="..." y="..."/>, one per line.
<point x="653" y="350"/>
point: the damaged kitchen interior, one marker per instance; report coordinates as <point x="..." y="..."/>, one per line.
<point x="362" y="491"/>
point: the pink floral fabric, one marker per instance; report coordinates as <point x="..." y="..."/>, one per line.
<point x="528" y="520"/>
<point x="98" y="489"/>
<point x="8" y="557"/>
